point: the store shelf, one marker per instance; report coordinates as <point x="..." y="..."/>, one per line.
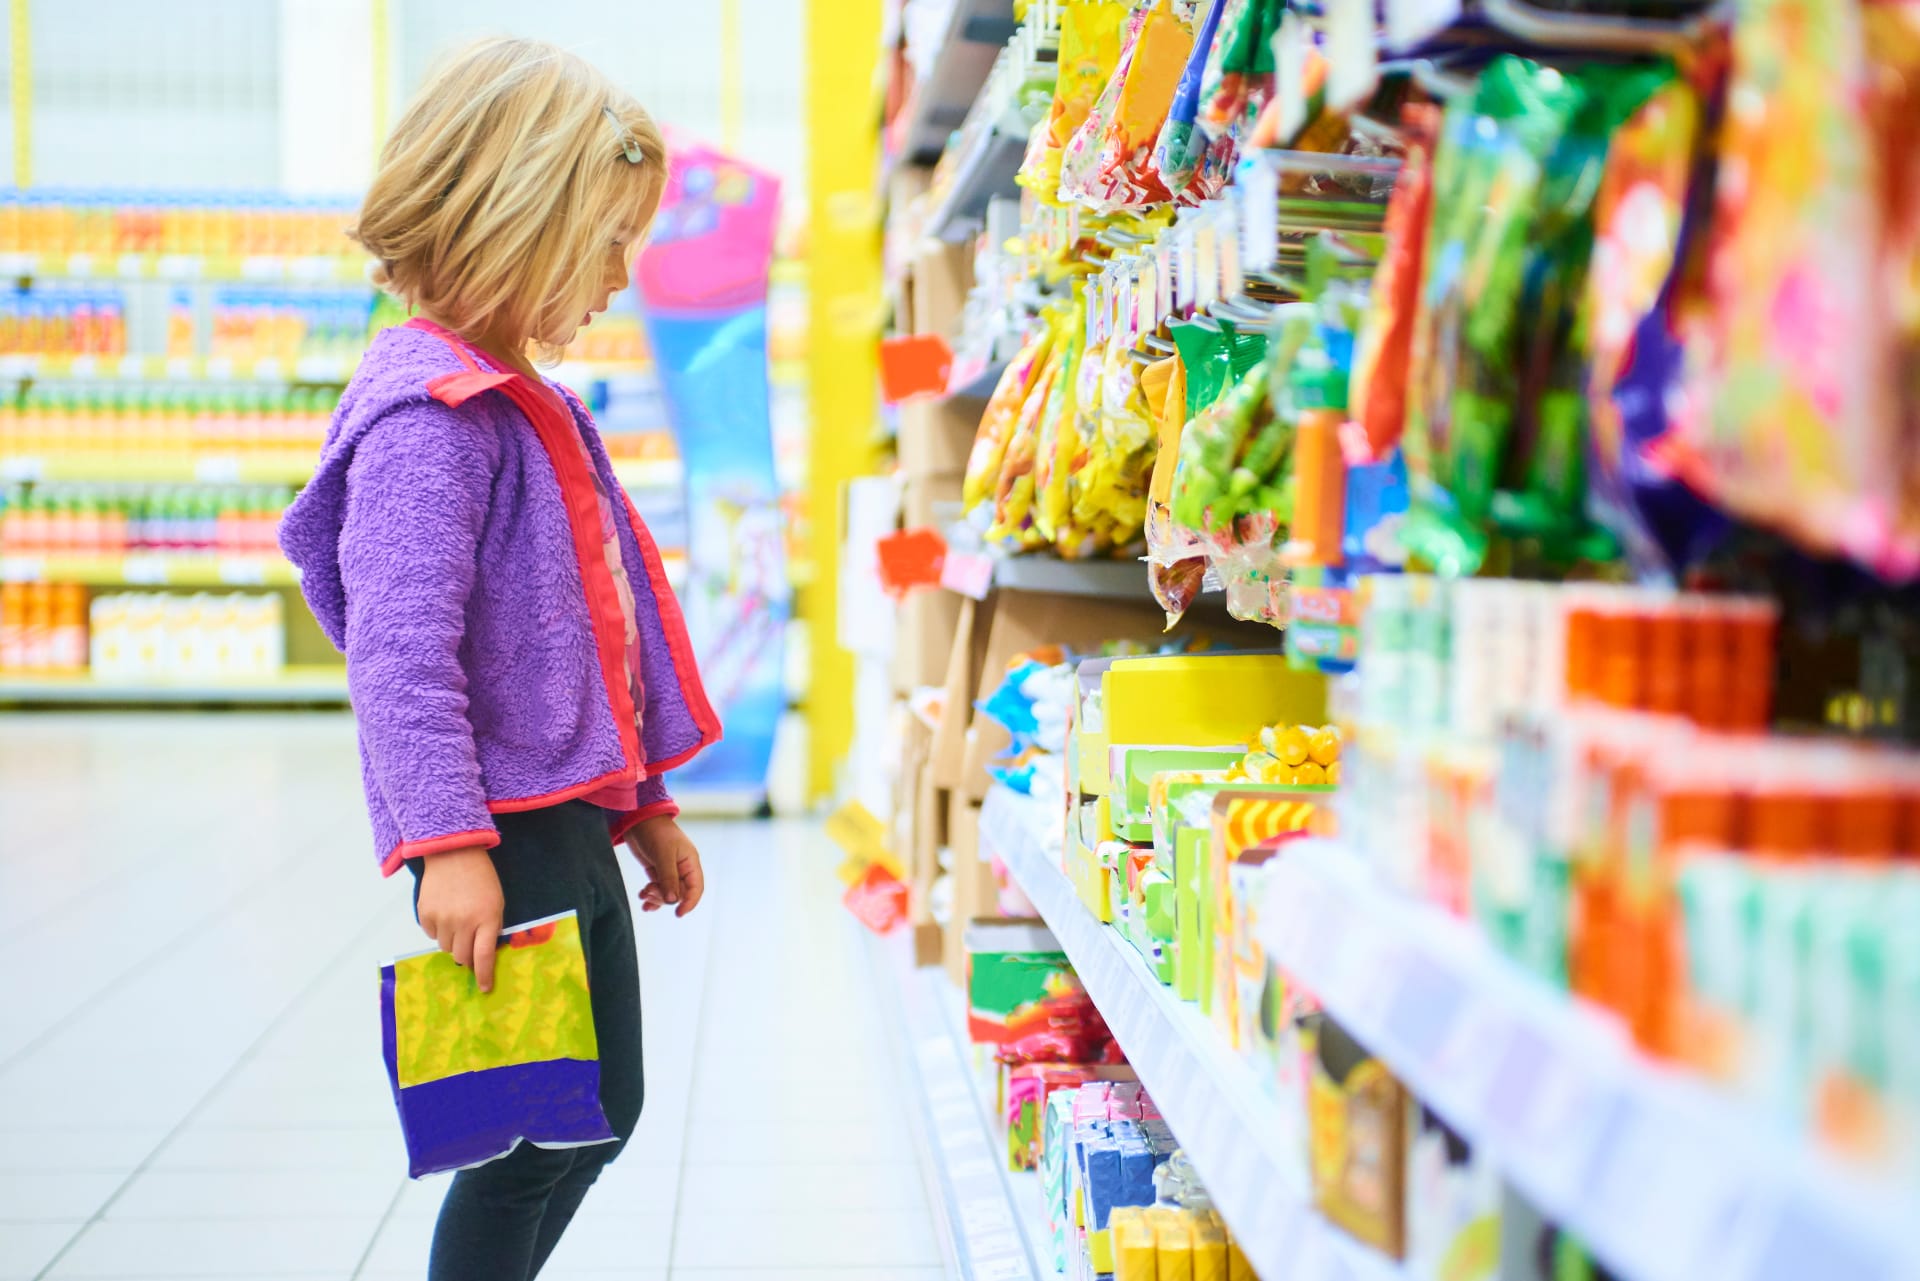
<point x="151" y="569"/>
<point x="277" y="467"/>
<point x="1114" y="579"/>
<point x="1663" y="1177"/>
<point x="1230" y="1127"/>
<point x="18" y="367"/>
<point x="978" y="31"/>
<point x="987" y="170"/>
<point x="254" y="268"/>
<point x="975" y="378"/>
<point x="993" y="1216"/>
<point x="293" y="685"/>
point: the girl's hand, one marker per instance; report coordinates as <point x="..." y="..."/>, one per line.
<point x="460" y="908"/>
<point x="673" y="866"/>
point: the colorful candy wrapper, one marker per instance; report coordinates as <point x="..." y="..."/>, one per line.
<point x="1181" y="146"/>
<point x="474" y="1075"/>
<point x="1792" y="416"/>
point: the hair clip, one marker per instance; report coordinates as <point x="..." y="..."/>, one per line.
<point x="628" y="147"/>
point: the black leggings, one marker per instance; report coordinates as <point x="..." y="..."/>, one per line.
<point x="501" y="1220"/>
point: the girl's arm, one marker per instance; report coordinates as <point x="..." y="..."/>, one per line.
<point x="417" y="492"/>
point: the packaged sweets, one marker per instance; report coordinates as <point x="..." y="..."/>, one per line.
<point x="1378" y="386"/>
<point x="1182" y="145"/>
<point x="475" y="1075"/>
<point x="1790" y="417"/>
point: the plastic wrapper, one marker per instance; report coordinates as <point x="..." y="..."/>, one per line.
<point x="1013" y="500"/>
<point x="475" y="1075"/>
<point x="1240" y="68"/>
<point x="1377" y="390"/>
<point x="1641" y="229"/>
<point x="1059" y="443"/>
<point x="1089" y="50"/>
<point x="1211" y="445"/>
<point x="1182" y="146"/>
<point x="1488" y="173"/>
<point x="1109" y="162"/>
<point x="1792" y="414"/>
<point x="1002" y="413"/>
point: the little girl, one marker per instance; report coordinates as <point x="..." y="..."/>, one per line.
<point x="519" y="667"/>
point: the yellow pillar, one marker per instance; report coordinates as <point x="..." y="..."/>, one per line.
<point x="380" y="22"/>
<point x="730" y="88"/>
<point x="20" y="33"/>
<point x="843" y="308"/>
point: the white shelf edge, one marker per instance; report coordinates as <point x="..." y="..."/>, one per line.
<point x="1210" y="1098"/>
<point x="1659" y="1174"/>
<point x="987" y="1233"/>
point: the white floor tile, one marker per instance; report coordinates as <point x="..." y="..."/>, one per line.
<point x="852" y="1140"/>
<point x="256" y="1194"/>
<point x="751" y="1190"/>
<point x="815" y="1239"/>
<point x="205" y="1248"/>
<point x="257" y="1137"/>
<point x="44" y="1195"/>
<point x="375" y="1151"/>
<point x="26" y="1248"/>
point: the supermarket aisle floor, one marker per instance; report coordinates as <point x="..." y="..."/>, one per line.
<point x="190" y="1081"/>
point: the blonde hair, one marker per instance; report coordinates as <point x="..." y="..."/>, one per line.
<point x="502" y="187"/>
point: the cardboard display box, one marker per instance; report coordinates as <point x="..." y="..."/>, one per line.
<point x="940" y="275"/>
<point x="935" y="436"/>
<point x="930" y="501"/>
<point x="924" y="632"/>
<point x="973" y="894"/>
<point x="1027" y="620"/>
<point x="964" y="659"/>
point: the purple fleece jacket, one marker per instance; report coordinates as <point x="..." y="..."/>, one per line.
<point x="439" y="546"/>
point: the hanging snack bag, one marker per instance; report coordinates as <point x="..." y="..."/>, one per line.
<point x="1488" y="172"/>
<point x="475" y="1075"/>
<point x="1109" y="162"/>
<point x="1089" y="49"/>
<point x="1378" y="388"/>
<point x="1060" y="436"/>
<point x="1239" y="77"/>
<point x="1790" y="416"/>
<point x="1013" y="499"/>
<point x="1000" y="416"/>
<point x="1182" y="146"/>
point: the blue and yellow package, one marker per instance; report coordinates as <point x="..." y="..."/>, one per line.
<point x="473" y="1074"/>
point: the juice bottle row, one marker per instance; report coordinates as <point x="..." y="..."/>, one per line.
<point x="176" y="419"/>
<point x="286" y="324"/>
<point x="214" y="224"/>
<point x="52" y="629"/>
<point x="43" y="628"/>
<point x="96" y="520"/>
<point x="47" y="319"/>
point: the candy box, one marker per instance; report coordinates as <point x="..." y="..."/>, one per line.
<point x="1357" y="1118"/>
<point x="1453" y="1203"/>
<point x="1023" y="996"/>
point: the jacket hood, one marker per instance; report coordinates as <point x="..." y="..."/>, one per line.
<point x="399" y="364"/>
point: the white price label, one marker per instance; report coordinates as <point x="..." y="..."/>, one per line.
<point x="24" y="467"/>
<point x="1290" y="48"/>
<point x="969" y="573"/>
<point x="245" y="571"/>
<point x="181" y="367"/>
<point x="217" y="471"/>
<point x="84" y="366"/>
<point x="1260" y="213"/>
<point x="220" y="367"/>
<point x="1669" y="1187"/>
<point x="1353" y="67"/>
<point x="1554" y="1110"/>
<point x="1411" y="21"/>
<point x="131" y="267"/>
<point x="21" y="569"/>
<point x="262" y="267"/>
<point x="269" y="369"/>
<point x="80" y="265"/>
<point x="177" y="267"/>
<point x="311" y="268"/>
<point x="144" y="571"/>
